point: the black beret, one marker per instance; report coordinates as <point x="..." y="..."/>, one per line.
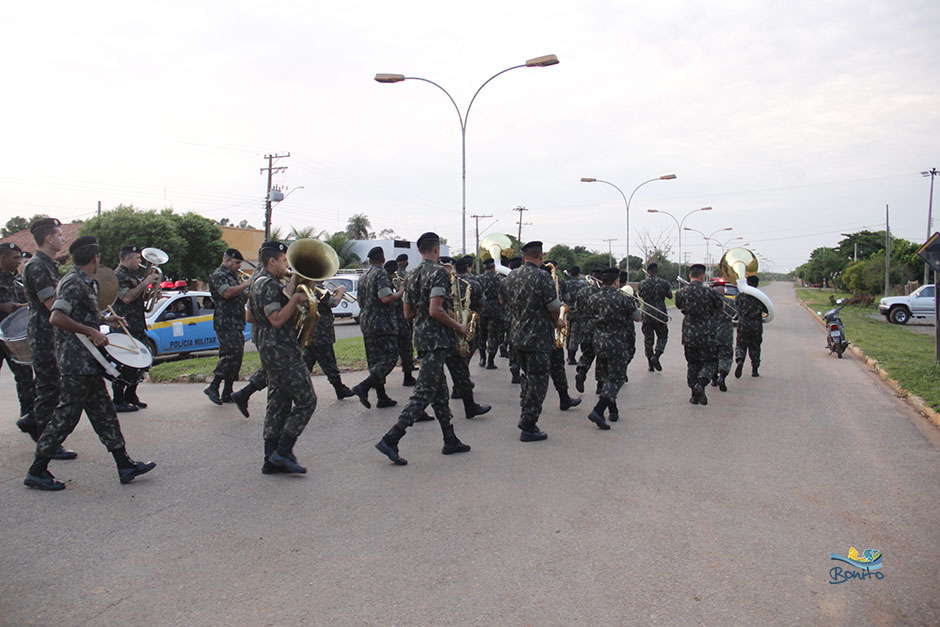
<point x="376" y="253"/>
<point x="42" y="223"/>
<point x="9" y="247"/>
<point x="401" y="257"/>
<point x="461" y="265"/>
<point x="85" y="241"/>
<point x="274" y="245"/>
<point x="430" y="235"/>
<point x="697" y="267"/>
<point x="489" y="262"/>
<point x="391" y="266"/>
<point x="533" y="245"/>
<point x="515" y="262"/>
<point x="609" y="273"/>
<point x="233" y="253"/>
<point x="447" y="260"/>
<point x="130" y="249"/>
<point x="574" y="270"/>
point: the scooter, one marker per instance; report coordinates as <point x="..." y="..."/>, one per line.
<point x="835" y="331"/>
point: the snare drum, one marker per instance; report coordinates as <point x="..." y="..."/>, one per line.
<point x="14" y="336"/>
<point x="124" y="359"/>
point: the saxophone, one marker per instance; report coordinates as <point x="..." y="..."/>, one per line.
<point x="463" y="314"/>
<point x="560" y="334"/>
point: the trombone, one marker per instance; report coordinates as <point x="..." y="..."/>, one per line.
<point x="726" y="307"/>
<point x="647" y="309"/>
<point x="349" y="298"/>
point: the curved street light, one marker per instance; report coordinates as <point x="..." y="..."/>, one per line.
<point x="627" y="201"/>
<point x="708" y="239"/>
<point x="543" y="61"/>
<point x="679" y="227"/>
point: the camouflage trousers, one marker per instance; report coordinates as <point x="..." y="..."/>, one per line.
<point x="381" y="355"/>
<point x="700" y="364"/>
<point x="46" y="377"/>
<point x="259" y="380"/>
<point x="492" y="330"/>
<point x="748" y="343"/>
<point x="81" y="393"/>
<point x="613" y="357"/>
<point x="724" y="349"/>
<point x="587" y="358"/>
<point x="430" y="388"/>
<point x="460" y="374"/>
<point x="535" y="366"/>
<point x="322" y="353"/>
<point x="231" y="351"/>
<point x="23" y="375"/>
<point x="291" y="400"/>
<point x="655" y="335"/>
<point x="557" y="370"/>
<point x="573" y="339"/>
<point x="406" y="347"/>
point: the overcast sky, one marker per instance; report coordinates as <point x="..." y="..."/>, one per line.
<point x="796" y="121"/>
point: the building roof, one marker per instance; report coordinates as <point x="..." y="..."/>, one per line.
<point x="24" y="239"/>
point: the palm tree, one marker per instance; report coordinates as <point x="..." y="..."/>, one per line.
<point x="304" y="233"/>
<point x="358" y="227"/>
<point x="339" y="242"/>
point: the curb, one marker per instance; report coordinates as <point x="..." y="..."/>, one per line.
<point x="915" y="402"/>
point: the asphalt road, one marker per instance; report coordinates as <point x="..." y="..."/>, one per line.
<point x="681" y="514"/>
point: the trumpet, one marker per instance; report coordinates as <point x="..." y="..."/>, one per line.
<point x="349" y="298"/>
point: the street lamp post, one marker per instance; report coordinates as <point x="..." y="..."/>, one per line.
<point x="665" y="177"/>
<point x="543" y="61"/>
<point x="679" y="227"/>
<point x="708" y="239"/>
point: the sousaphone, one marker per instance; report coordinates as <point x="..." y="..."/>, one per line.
<point x="735" y="266"/>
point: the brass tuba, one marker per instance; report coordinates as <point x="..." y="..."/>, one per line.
<point x="157" y="258"/>
<point x="311" y="260"/>
<point x="736" y="265"/>
<point x="495" y="244"/>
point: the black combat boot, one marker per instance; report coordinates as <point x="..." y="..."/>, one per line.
<point x="721" y="381"/>
<point x="383" y="399"/>
<point x="571" y="360"/>
<point x="715" y="380"/>
<point x="212" y="391"/>
<point x="566" y="402"/>
<point x="267" y="467"/>
<point x="240" y="398"/>
<point x="515" y="375"/>
<point x="739" y="369"/>
<point x="451" y="443"/>
<point x="227" y="391"/>
<point x="754" y="372"/>
<point x="473" y="409"/>
<point x="120" y="404"/>
<point x="613" y="412"/>
<point x="597" y="415"/>
<point x="656" y="364"/>
<point x="39" y="477"/>
<point x="491" y="361"/>
<point x="531" y="433"/>
<point x="649" y="361"/>
<point x="579" y="381"/>
<point x="503" y="351"/>
<point x="698" y="391"/>
<point x="342" y="391"/>
<point x="284" y="457"/>
<point x="482" y="357"/>
<point x="388" y="445"/>
<point x="409" y="380"/>
<point x="362" y="391"/>
<point x="28" y="425"/>
<point x="127" y="468"/>
<point x="130" y="397"/>
<point x="455" y="394"/>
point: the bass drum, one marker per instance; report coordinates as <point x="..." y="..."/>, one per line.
<point x="14" y="336"/>
<point x="124" y="359"/>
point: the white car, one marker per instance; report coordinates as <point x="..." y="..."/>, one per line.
<point x="344" y="309"/>
<point x="917" y="304"/>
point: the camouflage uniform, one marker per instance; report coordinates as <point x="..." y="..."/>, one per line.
<point x="614" y="337"/>
<point x="40" y="276"/>
<point x="699" y="304"/>
<point x="724" y="342"/>
<point x="532" y="297"/>
<point x="377" y="321"/>
<point x="82" y="385"/>
<point x="229" y="324"/>
<point x="434" y="342"/>
<point x="492" y="321"/>
<point x="587" y="337"/>
<point x="12" y="292"/>
<point x="133" y="314"/>
<point x="654" y="290"/>
<point x="507" y="327"/>
<point x="291" y="399"/>
<point x="750" y="328"/>
<point x="571" y="289"/>
<point x="320" y="348"/>
<point x="406" y="349"/>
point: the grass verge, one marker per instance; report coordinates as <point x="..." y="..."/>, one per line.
<point x="908" y="358"/>
<point x="350" y="355"/>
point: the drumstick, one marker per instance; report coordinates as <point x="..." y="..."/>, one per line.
<point x="123" y="348"/>
<point x="123" y="326"/>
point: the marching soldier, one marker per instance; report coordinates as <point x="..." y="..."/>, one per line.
<point x="588" y="353"/>
<point x="130" y="306"/>
<point x="377" y="298"/>
<point x="12" y="298"/>
<point x="75" y="311"/>
<point x="320" y="349"/>
<point x="477" y="304"/>
<point x="515" y="262"/>
<point x="614" y="315"/>
<point x="557" y="366"/>
<point x="228" y="294"/>
<point x="654" y="290"/>
<point x="406" y="348"/>
<point x="492" y="320"/>
<point x="724" y="341"/>
<point x="291" y="399"/>
<point x="750" y="330"/>
<point x="699" y="305"/>
<point x="573" y="285"/>
<point x="534" y="308"/>
<point x="427" y="302"/>
<point x="40" y="277"/>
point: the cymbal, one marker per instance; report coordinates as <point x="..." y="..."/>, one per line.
<point x="107" y="286"/>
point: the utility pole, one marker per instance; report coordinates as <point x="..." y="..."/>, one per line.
<point x="271" y="170"/>
<point x="99" y="208"/>
<point x="931" y="173"/>
<point x="887" y="252"/>
<point x="520" y="209"/>
<point x="476" y="251"/>
<point x="611" y="254"/>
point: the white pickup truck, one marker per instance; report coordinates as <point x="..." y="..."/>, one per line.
<point x="917" y="304"/>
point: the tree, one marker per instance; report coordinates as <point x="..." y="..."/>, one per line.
<point x="19" y="223"/>
<point x="203" y="248"/>
<point x="594" y="263"/>
<point x="563" y="255"/>
<point x="339" y="242"/>
<point x="869" y="243"/>
<point x="388" y="234"/>
<point x="358" y="227"/>
<point x="304" y="233"/>
<point x="823" y="267"/>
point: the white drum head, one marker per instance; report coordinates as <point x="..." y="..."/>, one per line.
<point x="128" y="351"/>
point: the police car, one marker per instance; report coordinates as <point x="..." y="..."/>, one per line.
<point x="181" y="322"/>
